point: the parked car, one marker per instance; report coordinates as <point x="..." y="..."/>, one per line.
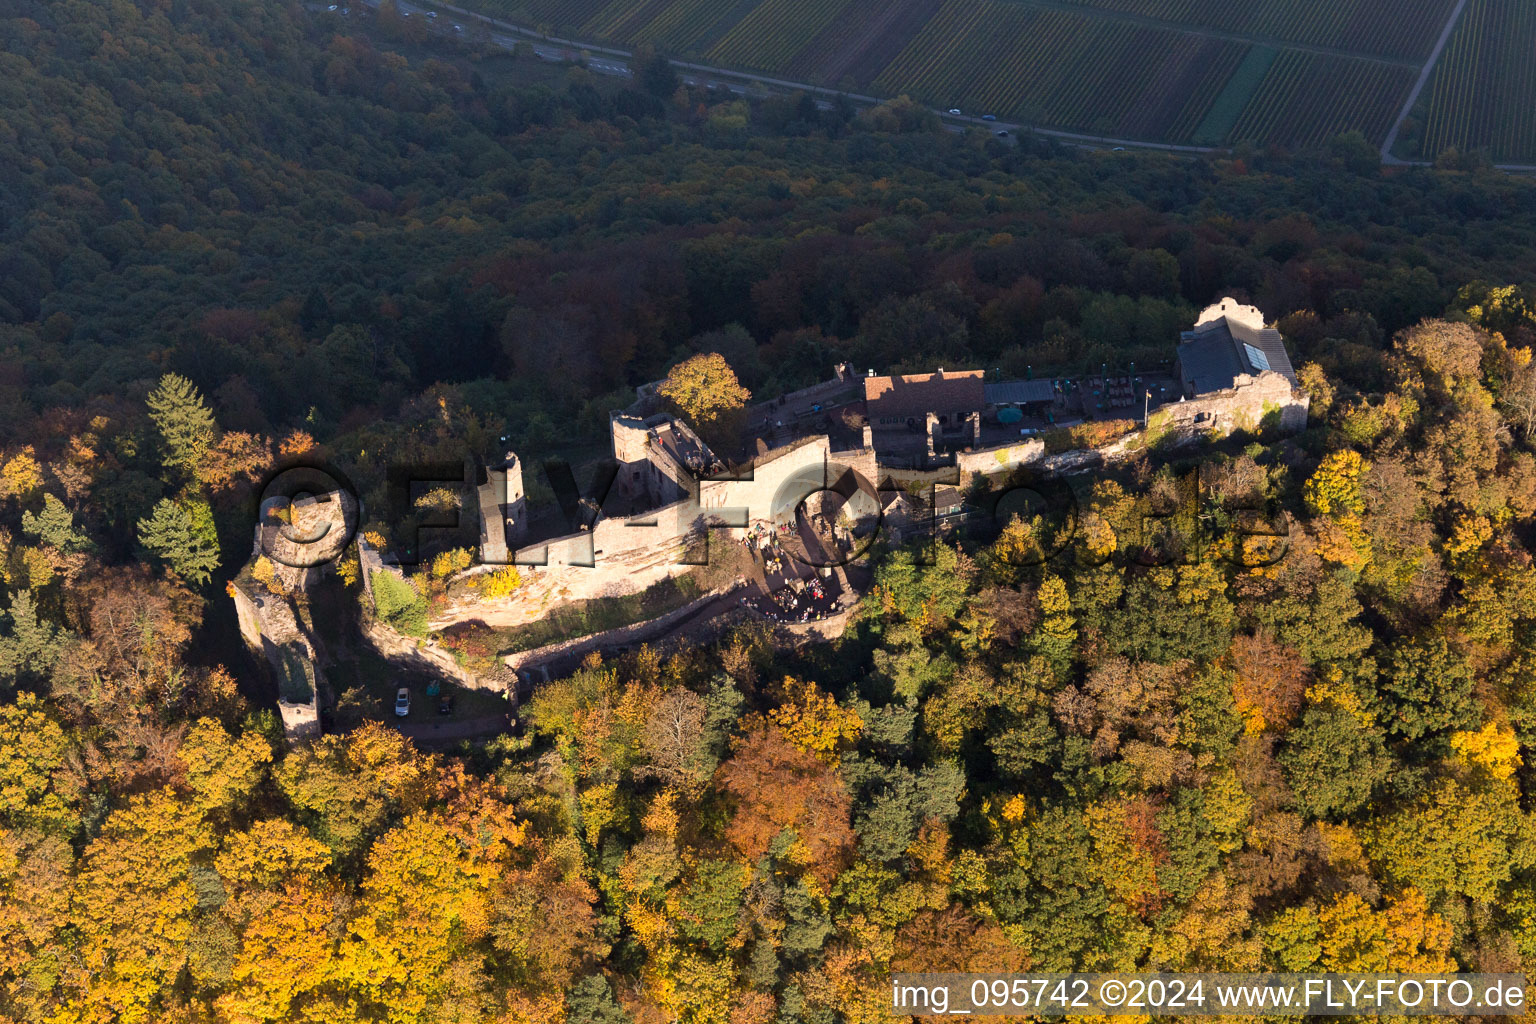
<point x="955" y="111"/>
<point x="445" y="706"/>
<point x="1001" y="133"/>
<point x="332" y="7"/>
<point x="458" y="28"/>
<point x="431" y="15"/>
<point x="989" y="117"/>
<point x="402" y="702"/>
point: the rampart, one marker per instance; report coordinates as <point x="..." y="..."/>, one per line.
<point x="1248" y="405"/>
<point x="622" y="555"/>
<point x="999" y="459"/>
<point x="270" y="625"/>
<point x="421" y="654"/>
<point x="635" y="633"/>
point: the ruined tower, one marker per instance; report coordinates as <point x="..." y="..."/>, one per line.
<point x="503" y="510"/>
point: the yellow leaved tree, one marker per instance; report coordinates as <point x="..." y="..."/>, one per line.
<point x="222" y="770"/>
<point x="133" y="906"/>
<point x="267" y="854"/>
<point x="705" y="391"/>
<point x="813" y="721"/>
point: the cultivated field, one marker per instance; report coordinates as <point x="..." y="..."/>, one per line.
<point x="1208" y="72"/>
<point x="1404" y="29"/>
<point x="1307" y="98"/>
<point x="1483" y="94"/>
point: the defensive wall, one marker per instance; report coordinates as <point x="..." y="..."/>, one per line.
<point x="417" y="653"/>
<point x="621" y="555"/>
<point x="635" y="633"/>
<point x="650" y="469"/>
<point x="1244" y="406"/>
<point x="660" y="461"/>
<point x="999" y="459"/>
<point x="269" y="623"/>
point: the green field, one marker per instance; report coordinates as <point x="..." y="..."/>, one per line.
<point x="1206" y="72"/>
<point x="1483" y="93"/>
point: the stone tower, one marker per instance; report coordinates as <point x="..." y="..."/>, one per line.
<point x="503" y="511"/>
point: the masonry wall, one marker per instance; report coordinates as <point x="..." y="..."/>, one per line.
<point x="331" y="516"/>
<point x="635" y="633"/>
<point x="268" y="624"/>
<point x="774" y="485"/>
<point x="1243" y="406"/>
<point x="999" y="459"/>
<point x="625" y="555"/>
<point x="369" y="562"/>
<point x="424" y="655"/>
<point x="300" y="721"/>
<point x="862" y="461"/>
<point x="644" y="468"/>
<point x="503" y="509"/>
<point x="248" y="616"/>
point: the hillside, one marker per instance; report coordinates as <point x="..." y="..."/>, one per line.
<point x="234" y="235"/>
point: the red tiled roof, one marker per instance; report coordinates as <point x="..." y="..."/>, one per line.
<point x="918" y="394"/>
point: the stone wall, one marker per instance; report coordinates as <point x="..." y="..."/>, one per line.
<point x="369" y="562"/>
<point x="248" y="615"/>
<point x="423" y="656"/>
<point x="269" y="624"/>
<point x="1000" y="458"/>
<point x="620" y="555"/>
<point x="305" y="537"/>
<point x="503" y="509"/>
<point x="776" y="482"/>
<point x="626" y="554"/>
<point x="636" y="633"/>
<point x="1244" y="406"/>
<point x="300" y="721"/>
<point x="646" y="469"/>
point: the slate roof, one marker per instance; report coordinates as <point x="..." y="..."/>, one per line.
<point x="901" y="503"/>
<point x="916" y="395"/>
<point x="1212" y="356"/>
<point x="1020" y="392"/>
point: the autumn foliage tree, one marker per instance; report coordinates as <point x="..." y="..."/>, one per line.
<point x="705" y="391"/>
<point x="775" y="787"/>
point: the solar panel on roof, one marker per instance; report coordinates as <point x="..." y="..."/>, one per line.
<point x="1256" y="358"/>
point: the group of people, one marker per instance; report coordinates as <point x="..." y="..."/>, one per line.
<point x="765" y="539"/>
<point x="796" y="601"/>
<point x="789" y="604"/>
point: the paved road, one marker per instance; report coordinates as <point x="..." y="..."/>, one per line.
<point x="452" y="730"/>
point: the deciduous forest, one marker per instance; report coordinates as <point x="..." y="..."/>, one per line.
<point x="232" y="232"/>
